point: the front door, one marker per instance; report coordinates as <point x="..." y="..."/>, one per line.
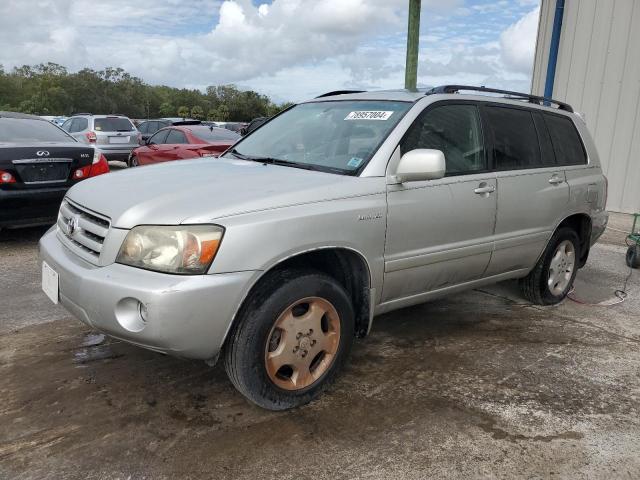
<point x="440" y="232"/>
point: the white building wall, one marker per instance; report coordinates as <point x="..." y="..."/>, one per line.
<point x="598" y="73"/>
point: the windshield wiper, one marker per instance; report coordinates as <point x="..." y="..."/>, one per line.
<point x="285" y="163"/>
<point x="272" y="160"/>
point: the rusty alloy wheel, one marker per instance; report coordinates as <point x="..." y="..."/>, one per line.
<point x="302" y="343"/>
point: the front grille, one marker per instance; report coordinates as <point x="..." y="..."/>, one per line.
<point x="83" y="231"/>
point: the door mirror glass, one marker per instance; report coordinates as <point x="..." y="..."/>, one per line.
<point x="421" y="164"/>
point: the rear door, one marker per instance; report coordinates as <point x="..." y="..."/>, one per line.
<point x="533" y="192"/>
<point x="440" y="232"/>
<point x="176" y="143"/>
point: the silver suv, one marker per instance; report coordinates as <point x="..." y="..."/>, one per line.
<point x="282" y="251"/>
<point x="114" y="135"/>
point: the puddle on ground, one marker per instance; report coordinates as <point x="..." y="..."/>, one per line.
<point x="92" y="354"/>
<point x="93" y="339"/>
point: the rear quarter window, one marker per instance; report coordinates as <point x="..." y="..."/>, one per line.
<point x="566" y="140"/>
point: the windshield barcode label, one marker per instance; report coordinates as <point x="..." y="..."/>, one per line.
<point x="370" y="115"/>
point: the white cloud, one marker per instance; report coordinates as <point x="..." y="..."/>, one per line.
<point x="518" y="42"/>
<point x="291" y="49"/>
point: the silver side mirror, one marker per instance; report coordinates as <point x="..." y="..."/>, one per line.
<point x="421" y="164"/>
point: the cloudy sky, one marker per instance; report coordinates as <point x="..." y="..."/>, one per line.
<point x="288" y="49"/>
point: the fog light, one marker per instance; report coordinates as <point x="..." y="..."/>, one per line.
<point x="131" y="314"/>
<point x="142" y="309"/>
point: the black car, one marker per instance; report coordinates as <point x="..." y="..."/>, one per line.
<point x="39" y="162"/>
<point x="149" y="127"/>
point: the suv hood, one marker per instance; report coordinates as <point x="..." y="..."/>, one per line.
<point x="200" y="191"/>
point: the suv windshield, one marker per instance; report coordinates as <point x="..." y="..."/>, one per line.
<point x="335" y="136"/>
<point x="17" y="130"/>
<point x="112" y="124"/>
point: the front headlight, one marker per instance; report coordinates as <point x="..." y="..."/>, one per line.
<point x="184" y="249"/>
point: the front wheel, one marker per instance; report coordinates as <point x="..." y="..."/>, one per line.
<point x="291" y="339"/>
<point x="552" y="278"/>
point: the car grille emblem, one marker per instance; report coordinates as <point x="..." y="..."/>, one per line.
<point x="72" y="225"/>
<point x="42" y="153"/>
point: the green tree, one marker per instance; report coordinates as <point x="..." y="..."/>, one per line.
<point x="183" y="112"/>
<point x="197" y="112"/>
<point x="166" y="109"/>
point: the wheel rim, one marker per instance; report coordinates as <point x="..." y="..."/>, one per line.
<point x="561" y="267"/>
<point x="302" y="343"/>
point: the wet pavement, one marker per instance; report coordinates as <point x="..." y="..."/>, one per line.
<point x="479" y="385"/>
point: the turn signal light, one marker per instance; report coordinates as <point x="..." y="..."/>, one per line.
<point x="6" y="177"/>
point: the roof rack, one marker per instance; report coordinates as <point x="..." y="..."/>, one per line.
<point x="186" y="122"/>
<point x="81" y="113"/>
<point x="515" y="95"/>
<point x="339" y="92"/>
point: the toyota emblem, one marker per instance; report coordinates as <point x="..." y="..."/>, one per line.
<point x="42" y="153"/>
<point x="72" y="225"/>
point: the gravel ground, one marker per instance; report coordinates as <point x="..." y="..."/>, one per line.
<point x="479" y="385"/>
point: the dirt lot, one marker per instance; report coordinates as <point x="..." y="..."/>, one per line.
<point x="478" y="385"/>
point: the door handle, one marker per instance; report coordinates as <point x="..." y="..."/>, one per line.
<point x="555" y="180"/>
<point x="484" y="188"/>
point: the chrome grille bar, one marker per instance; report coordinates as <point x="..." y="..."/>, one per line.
<point x="82" y="230"/>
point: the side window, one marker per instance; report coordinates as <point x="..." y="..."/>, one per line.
<point x="176" y="136"/>
<point x="144" y="127"/>
<point x="82" y="124"/>
<point x="66" y="126"/>
<point x="566" y="140"/>
<point x="159" y="137"/>
<point x="515" y="141"/>
<point x="453" y="129"/>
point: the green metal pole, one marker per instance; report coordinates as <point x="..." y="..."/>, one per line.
<point x="413" y="39"/>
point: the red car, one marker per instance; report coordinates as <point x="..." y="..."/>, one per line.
<point x="183" y="142"/>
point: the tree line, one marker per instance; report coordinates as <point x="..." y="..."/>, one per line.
<point x="50" y="89"/>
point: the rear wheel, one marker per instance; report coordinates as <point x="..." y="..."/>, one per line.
<point x="633" y="256"/>
<point x="133" y="161"/>
<point x="553" y="276"/>
<point x="291" y="339"/>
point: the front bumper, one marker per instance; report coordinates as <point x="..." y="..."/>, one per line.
<point x="187" y="316"/>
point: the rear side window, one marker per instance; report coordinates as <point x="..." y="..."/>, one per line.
<point x="176" y="136"/>
<point x="453" y="129"/>
<point x="112" y="124"/>
<point x="515" y="141"/>
<point x="144" y="127"/>
<point x="79" y="124"/>
<point x="566" y="140"/>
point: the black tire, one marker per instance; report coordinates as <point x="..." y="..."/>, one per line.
<point x="633" y="256"/>
<point x="245" y="347"/>
<point x="133" y="161"/>
<point x="535" y="285"/>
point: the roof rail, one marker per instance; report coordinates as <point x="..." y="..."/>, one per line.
<point x="340" y="92"/>
<point x="517" y="95"/>
<point x="81" y="113"/>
